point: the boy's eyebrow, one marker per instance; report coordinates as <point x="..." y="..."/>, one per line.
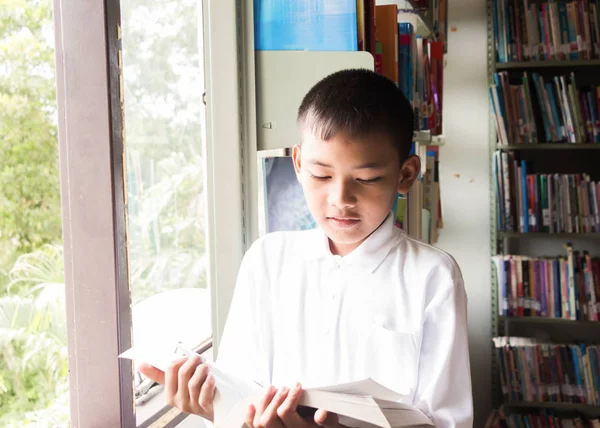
<point x="367" y="165"/>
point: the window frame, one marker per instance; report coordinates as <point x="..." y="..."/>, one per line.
<point x="93" y="196"/>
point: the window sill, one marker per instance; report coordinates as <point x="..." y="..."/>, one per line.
<point x="156" y="412"/>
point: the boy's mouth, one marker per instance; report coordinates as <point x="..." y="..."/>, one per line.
<point x="343" y="221"/>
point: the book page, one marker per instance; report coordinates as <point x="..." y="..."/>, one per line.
<point x="367" y="387"/>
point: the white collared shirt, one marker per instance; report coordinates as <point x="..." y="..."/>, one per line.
<point x="394" y="310"/>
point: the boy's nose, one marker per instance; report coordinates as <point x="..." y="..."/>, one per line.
<point x="343" y="196"/>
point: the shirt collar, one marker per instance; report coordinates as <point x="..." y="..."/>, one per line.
<point x="368" y="255"/>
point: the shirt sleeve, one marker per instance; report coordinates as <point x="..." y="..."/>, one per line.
<point x="243" y="348"/>
<point x="444" y="381"/>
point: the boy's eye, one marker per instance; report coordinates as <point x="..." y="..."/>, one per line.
<point x="320" y="177"/>
<point x="368" y="180"/>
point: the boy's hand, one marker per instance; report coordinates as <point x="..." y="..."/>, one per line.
<point x="188" y="385"/>
<point x="278" y="409"/>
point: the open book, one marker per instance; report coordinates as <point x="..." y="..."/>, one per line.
<point x="363" y="401"/>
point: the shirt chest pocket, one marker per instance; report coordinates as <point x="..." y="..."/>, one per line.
<point x="390" y="358"/>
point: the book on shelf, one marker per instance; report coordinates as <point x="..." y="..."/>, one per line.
<point x="565" y="287"/>
<point x="362" y="401"/>
<point x="551" y="203"/>
<point x="503" y="418"/>
<point x="529" y="108"/>
<point x="548" y="30"/>
<point x="335" y="25"/>
<point x="414" y="63"/>
<point x="537" y="371"/>
<point x="419" y="212"/>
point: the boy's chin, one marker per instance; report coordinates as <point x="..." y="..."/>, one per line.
<point x="345" y="236"/>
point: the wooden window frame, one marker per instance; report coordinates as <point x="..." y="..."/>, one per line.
<point x="93" y="196"/>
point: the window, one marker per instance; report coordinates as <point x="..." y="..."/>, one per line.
<point x="163" y="84"/>
<point x="151" y="184"/>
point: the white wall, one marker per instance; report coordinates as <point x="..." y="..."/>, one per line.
<point x="464" y="178"/>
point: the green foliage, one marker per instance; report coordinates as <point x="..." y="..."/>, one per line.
<point x="33" y="352"/>
<point x="33" y="336"/>
<point x="29" y="179"/>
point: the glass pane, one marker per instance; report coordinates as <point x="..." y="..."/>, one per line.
<point x="163" y="83"/>
<point x="33" y="344"/>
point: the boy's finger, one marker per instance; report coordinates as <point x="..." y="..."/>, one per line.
<point x="171" y="377"/>
<point x="263" y="403"/>
<point x="269" y="416"/>
<point x="287" y="411"/>
<point x="207" y="393"/>
<point x="249" y="420"/>
<point x="326" y="419"/>
<point x="186" y="371"/>
<point x="152" y="373"/>
<point x="196" y="383"/>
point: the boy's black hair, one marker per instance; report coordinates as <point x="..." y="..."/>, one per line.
<point x="359" y="102"/>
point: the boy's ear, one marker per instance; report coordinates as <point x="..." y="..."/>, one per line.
<point x="408" y="173"/>
<point x="296" y="151"/>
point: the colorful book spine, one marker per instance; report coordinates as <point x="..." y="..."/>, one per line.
<point x="539" y="202"/>
<point x="535" y="371"/>
<point x="548" y="30"/>
<point x="564" y="287"/>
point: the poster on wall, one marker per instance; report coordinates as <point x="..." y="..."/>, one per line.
<point x="286" y="207"/>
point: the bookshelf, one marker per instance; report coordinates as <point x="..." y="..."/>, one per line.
<point x="547" y="64"/>
<point x="548" y="146"/>
<point x="544" y="151"/>
<point x="544" y="320"/>
<point x="549" y="235"/>
<point x="590" y="411"/>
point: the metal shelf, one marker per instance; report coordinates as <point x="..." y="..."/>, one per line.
<point x="546" y="235"/>
<point x="550" y="146"/>
<point x="425" y="137"/>
<point x="551" y="321"/>
<point x="547" y="64"/>
<point x="587" y="409"/>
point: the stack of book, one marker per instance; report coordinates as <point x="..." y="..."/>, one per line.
<point x="533" y="371"/>
<point x="564" y="287"/>
<point x="414" y="63"/>
<point x="420" y="212"/>
<point x="500" y="418"/>
<point x="546" y="30"/>
<point x="529" y="108"/>
<point x="543" y="202"/>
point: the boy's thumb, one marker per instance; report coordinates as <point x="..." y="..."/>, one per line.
<point x="326" y="419"/>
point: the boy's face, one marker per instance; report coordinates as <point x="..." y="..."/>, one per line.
<point x="350" y="184"/>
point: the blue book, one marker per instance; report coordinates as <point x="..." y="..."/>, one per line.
<point x="405" y="59"/>
<point x="311" y="25"/>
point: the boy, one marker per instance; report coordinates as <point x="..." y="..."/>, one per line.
<point x="354" y="298"/>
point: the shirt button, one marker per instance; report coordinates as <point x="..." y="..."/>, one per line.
<point x="333" y="297"/>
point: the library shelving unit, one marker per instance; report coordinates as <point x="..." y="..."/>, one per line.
<point x="544" y="104"/>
